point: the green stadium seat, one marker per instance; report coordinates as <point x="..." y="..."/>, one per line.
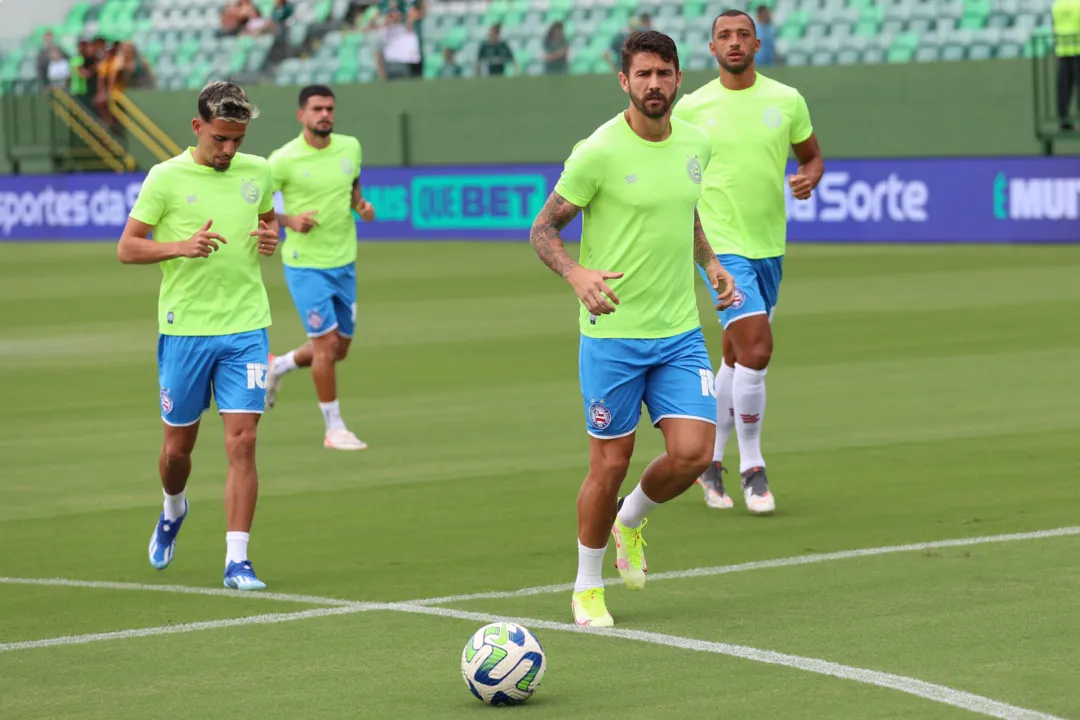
<point x="927" y="53"/>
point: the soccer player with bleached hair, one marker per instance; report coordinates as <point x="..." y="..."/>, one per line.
<point x="638" y="180"/>
<point x="754" y="122"/>
<point x="206" y="216"/>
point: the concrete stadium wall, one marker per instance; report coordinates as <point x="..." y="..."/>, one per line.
<point x="912" y="110"/>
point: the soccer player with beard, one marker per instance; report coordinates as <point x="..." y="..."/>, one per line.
<point x="638" y="178"/>
<point x="752" y="122"/>
<point x="212" y="311"/>
<point x="318" y="174"/>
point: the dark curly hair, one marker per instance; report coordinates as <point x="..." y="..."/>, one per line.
<point x="649" y="41"/>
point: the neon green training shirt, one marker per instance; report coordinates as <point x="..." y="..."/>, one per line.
<point x="322" y="180"/>
<point x="742" y="199"/>
<point x="224" y="293"/>
<point x="639" y="199"/>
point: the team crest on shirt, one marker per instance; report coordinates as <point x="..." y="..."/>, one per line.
<point x="166" y="401"/>
<point x="693" y="169"/>
<point x="346" y="166"/>
<point x="772" y="117"/>
<point x="314" y="319"/>
<point x="599" y="415"/>
<point x="250" y="192"/>
<point x="738" y="298"/>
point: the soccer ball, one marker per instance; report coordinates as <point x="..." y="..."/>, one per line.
<point x="503" y="664"/>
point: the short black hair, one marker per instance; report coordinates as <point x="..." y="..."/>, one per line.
<point x="314" y="91"/>
<point x="733" y="13"/>
<point x="649" y="41"/>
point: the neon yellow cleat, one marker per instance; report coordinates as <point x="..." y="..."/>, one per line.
<point x="590" y="609"/>
<point x="630" y="554"/>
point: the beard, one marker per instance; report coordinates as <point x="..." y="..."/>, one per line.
<point x="736" y="68"/>
<point x="323" y="131"/>
<point x="652" y="113"/>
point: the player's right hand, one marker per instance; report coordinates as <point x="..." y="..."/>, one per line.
<point x="201" y="244"/>
<point x="592" y="289"/>
<point x="303" y="222"/>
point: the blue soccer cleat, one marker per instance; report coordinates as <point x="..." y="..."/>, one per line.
<point x="241" y="576"/>
<point x="163" y="541"/>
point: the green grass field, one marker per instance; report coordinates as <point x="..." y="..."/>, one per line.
<point x="917" y="394"/>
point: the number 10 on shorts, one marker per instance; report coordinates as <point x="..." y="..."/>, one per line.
<point x="256" y="376"/>
<point x="708" y="382"/>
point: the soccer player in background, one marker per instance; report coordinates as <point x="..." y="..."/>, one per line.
<point x="638" y="177"/>
<point x="318" y="174"/>
<point x="752" y="122"/>
<point x="211" y="212"/>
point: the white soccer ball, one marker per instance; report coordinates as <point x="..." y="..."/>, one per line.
<point x="503" y="664"/>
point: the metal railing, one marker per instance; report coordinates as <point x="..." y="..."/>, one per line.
<point x="1056" y="83"/>
<point x="145" y="130"/>
<point x="98" y="139"/>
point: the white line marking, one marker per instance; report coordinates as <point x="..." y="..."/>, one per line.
<point x="269" y="619"/>
<point x="216" y="592"/>
<point x="762" y="564"/>
<point x="911" y="686"/>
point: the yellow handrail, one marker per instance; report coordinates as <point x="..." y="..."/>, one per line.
<point x="96" y="137"/>
<point x="142" y="127"/>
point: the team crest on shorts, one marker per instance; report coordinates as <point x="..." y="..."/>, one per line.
<point x="314" y="319"/>
<point x="250" y="192"/>
<point x="739" y="298"/>
<point x="599" y="415"/>
<point x="166" y="401"/>
<point x="693" y="169"/>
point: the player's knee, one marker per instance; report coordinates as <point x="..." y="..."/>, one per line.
<point x="327" y="347"/>
<point x="610" y="468"/>
<point x="757" y="355"/>
<point x="176" y="452"/>
<point x="691" y="462"/>
<point x="240" y="443"/>
<point x="341" y="351"/>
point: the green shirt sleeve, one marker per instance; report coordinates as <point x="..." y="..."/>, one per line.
<point x="266" y="197"/>
<point x="358" y="158"/>
<point x="277" y="170"/>
<point x="580" y="178"/>
<point x="801" y="129"/>
<point x="150" y="204"/>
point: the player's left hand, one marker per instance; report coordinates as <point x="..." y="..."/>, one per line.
<point x="722" y="283"/>
<point x="268" y="238"/>
<point x="801" y="187"/>
<point x="366" y="211"/>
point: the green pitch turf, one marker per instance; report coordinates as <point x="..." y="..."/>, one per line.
<point x="917" y="394"/>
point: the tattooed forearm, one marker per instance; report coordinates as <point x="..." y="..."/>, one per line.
<point x="544" y="236"/>
<point x="703" y="252"/>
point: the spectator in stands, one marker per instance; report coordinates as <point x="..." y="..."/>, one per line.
<point x="48" y="55"/>
<point x="243" y="18"/>
<point x="104" y="81"/>
<point x="83" y="66"/>
<point x="128" y="70"/>
<point x="398" y="52"/>
<point x="414" y="10"/>
<point x="494" y="54"/>
<point x="283" y="10"/>
<point x="58" y="71"/>
<point x="614" y="52"/>
<point x="556" y="50"/>
<point x="766" y="33"/>
<point x="1066" y="17"/>
<point x="450" y="67"/>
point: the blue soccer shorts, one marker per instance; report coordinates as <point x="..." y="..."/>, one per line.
<point x="325" y="299"/>
<point x="757" y="286"/>
<point x="232" y="368"/>
<point x="672" y="376"/>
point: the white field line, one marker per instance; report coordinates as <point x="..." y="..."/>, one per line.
<point x="184" y="589"/>
<point x="268" y="619"/>
<point x="763" y="564"/>
<point x="911" y="686"/>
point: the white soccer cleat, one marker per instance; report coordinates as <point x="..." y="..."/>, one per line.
<point x="273" y="383"/>
<point x="759" y="499"/>
<point x="342" y="439"/>
<point x="712" y="482"/>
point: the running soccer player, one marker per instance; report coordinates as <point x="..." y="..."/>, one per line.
<point x="752" y="121"/>
<point x="211" y="212"/>
<point x="318" y="174"/>
<point x="638" y="177"/>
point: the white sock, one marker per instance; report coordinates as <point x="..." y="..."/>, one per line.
<point x="748" y="390"/>
<point x="175" y="505"/>
<point x="331" y="413"/>
<point x="590" y="563"/>
<point x="725" y="409"/>
<point x="285" y="363"/>
<point x="635" y="507"/>
<point x="236" y="547"/>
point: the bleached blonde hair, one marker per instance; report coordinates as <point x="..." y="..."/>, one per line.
<point x="223" y="100"/>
